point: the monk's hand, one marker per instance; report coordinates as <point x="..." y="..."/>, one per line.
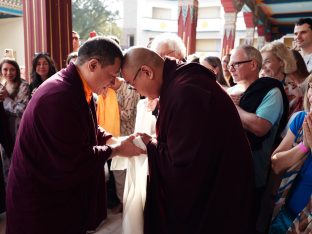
<point x="145" y="137"/>
<point x="126" y="148"/>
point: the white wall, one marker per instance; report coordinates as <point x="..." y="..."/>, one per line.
<point x="12" y="37"/>
<point x="149" y="27"/>
<point x="129" y="21"/>
<point x="138" y="20"/>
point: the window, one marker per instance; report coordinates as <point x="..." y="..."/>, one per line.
<point x="207" y="45"/>
<point x="130" y="40"/>
<point x="161" y="13"/>
<point x="208" y="12"/>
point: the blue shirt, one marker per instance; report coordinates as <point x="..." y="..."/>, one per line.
<point x="271" y="109"/>
<point x="302" y="187"/>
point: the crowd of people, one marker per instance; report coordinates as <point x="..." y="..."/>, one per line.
<point x="228" y="139"/>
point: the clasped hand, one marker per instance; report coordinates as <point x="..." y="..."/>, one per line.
<point x="125" y="147"/>
<point x="307" y="130"/>
<point x="3" y="94"/>
<point x="145" y="137"/>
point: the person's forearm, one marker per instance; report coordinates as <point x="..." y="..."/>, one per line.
<point x="113" y="141"/>
<point x="285" y="159"/>
<point x="253" y="123"/>
<point x="115" y="150"/>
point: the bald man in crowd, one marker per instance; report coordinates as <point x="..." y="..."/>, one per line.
<point x="200" y="166"/>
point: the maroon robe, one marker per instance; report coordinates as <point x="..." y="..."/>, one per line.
<point x="201" y="172"/>
<point x="56" y="181"/>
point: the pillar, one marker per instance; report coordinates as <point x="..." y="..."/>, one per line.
<point x="47" y="28"/>
<point x="268" y="34"/>
<point x="261" y="36"/>
<point x="187" y="23"/>
<point x="230" y="15"/>
<point x="250" y="28"/>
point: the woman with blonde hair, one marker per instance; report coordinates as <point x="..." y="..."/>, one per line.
<point x="280" y="63"/>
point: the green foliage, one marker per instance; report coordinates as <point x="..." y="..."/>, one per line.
<point x="94" y="15"/>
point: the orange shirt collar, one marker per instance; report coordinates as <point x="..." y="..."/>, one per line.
<point x="86" y="88"/>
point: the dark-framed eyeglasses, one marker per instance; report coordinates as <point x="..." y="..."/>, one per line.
<point x="235" y="65"/>
<point x="76" y="38"/>
<point x="132" y="84"/>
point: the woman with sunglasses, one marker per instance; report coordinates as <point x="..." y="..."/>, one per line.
<point x="42" y="68"/>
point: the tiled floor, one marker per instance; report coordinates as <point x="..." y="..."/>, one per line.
<point x="112" y="225"/>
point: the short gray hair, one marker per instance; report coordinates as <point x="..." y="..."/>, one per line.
<point x="252" y="53"/>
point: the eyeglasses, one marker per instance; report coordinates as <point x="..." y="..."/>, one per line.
<point x="75" y="38"/>
<point x="236" y="64"/>
<point x="135" y="77"/>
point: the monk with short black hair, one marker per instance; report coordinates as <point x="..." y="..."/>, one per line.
<point x="56" y="181"/>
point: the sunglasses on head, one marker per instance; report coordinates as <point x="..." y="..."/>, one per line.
<point x="41" y="53"/>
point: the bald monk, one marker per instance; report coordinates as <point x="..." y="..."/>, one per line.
<point x="200" y="167"/>
<point x="56" y="180"/>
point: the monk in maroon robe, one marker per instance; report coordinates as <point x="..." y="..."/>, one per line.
<point x="56" y="181"/>
<point x="200" y="167"/>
